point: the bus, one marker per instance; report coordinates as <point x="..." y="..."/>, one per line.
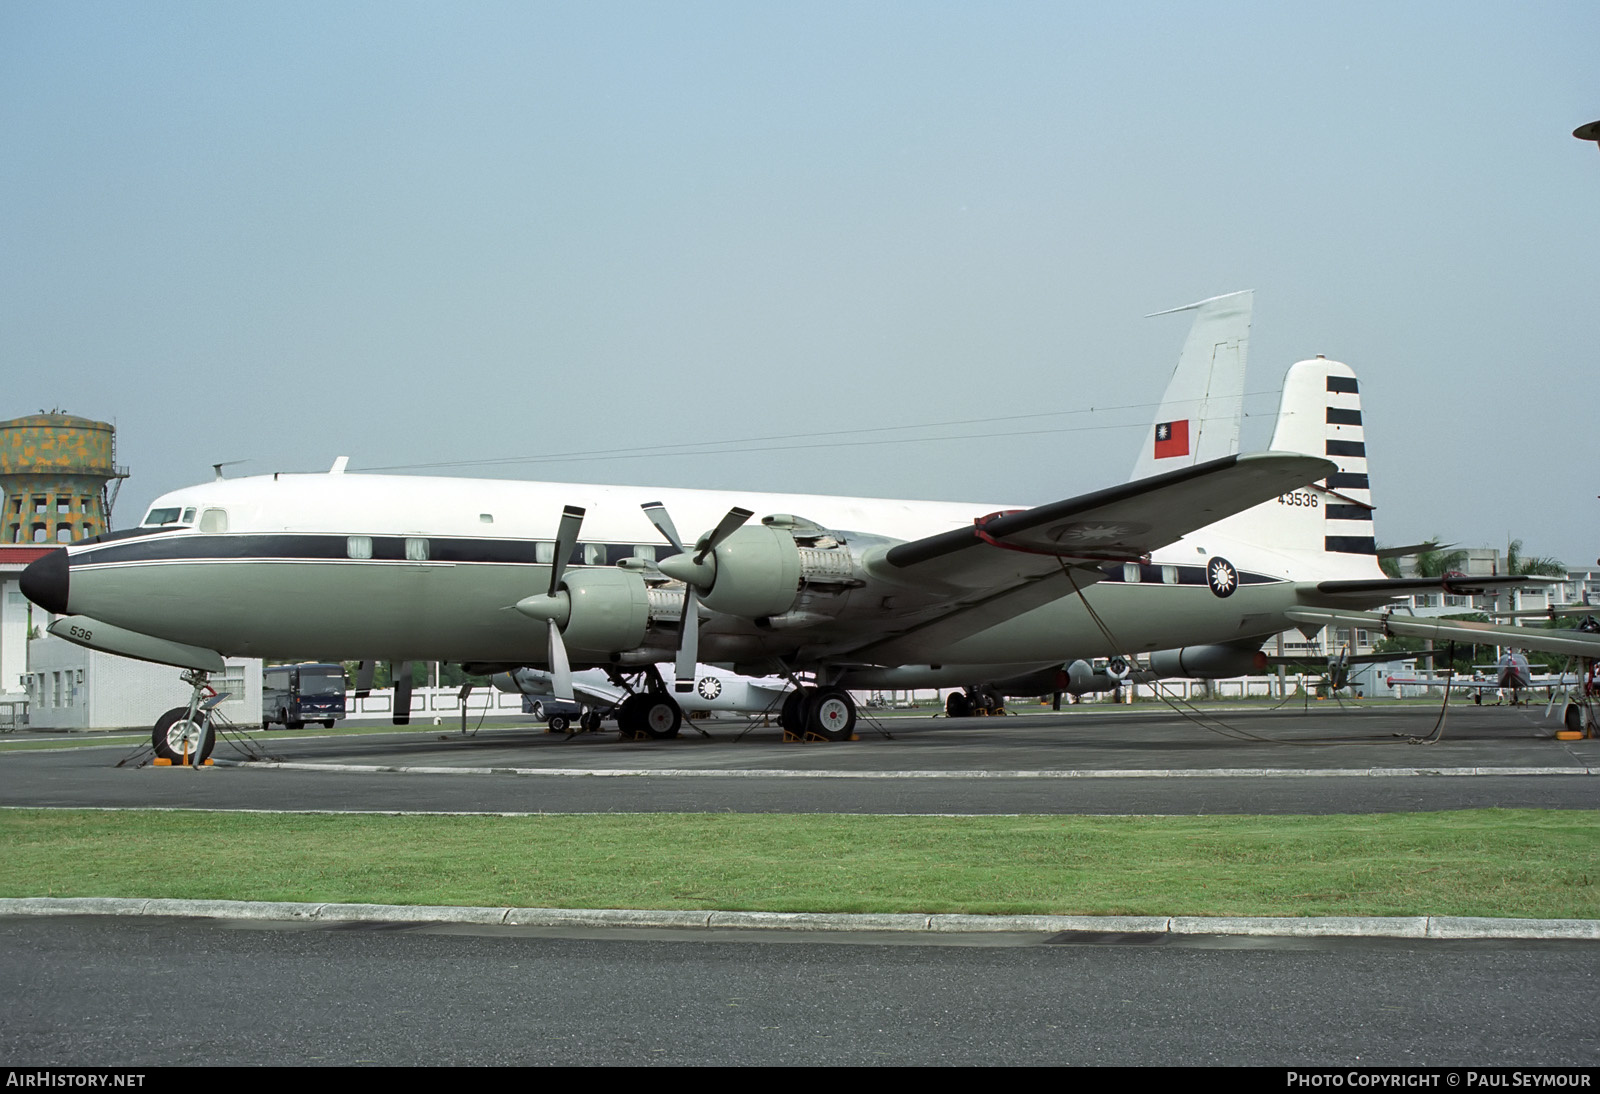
<point x="292" y="695"/>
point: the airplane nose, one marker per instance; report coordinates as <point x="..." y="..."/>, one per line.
<point x="44" y="581"/>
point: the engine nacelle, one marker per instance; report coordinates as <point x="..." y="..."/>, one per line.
<point x="610" y="610"/>
<point x="601" y="610"/>
<point x="758" y="573"/>
<point x="1208" y="662"/>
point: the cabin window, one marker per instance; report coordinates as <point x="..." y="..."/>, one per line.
<point x="214" y="521"/>
<point x="416" y="550"/>
<point x="486" y="518"/>
<point x="1130" y="571"/>
<point x="358" y="546"/>
<point x="1169" y="575"/>
<point x="594" y="554"/>
<point x="646" y="551"/>
<point x="544" y="552"/>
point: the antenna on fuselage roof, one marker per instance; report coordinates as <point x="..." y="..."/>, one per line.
<point x="339" y="465"/>
<point x="217" y="467"/>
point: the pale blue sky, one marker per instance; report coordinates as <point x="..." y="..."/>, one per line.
<point x="414" y="233"/>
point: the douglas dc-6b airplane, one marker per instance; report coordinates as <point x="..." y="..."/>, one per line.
<point x="1202" y="563"/>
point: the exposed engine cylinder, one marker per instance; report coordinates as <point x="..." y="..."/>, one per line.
<point x="758" y="573"/>
<point x="609" y="612"/>
<point x="1208" y="662"/>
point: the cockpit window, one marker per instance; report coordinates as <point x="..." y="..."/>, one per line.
<point x="158" y="518"/>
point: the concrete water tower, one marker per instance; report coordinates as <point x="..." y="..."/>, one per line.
<point x="59" y="478"/>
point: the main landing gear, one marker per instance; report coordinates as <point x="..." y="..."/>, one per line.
<point x="651" y="713"/>
<point x="979" y="701"/>
<point x="825" y="713"/>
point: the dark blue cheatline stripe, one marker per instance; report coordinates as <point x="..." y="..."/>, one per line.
<point x="1344" y="384"/>
<point x="1351" y="545"/>
<point x="1340" y="416"/>
<point x="1347" y="480"/>
<point x="1348" y="512"/>
<point x="1346" y="448"/>
<point x="336" y="548"/>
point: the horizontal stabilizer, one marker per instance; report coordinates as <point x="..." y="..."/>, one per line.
<point x="1455" y="584"/>
<point x="1569" y="643"/>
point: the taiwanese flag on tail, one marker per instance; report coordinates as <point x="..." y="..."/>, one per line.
<point x="1172" y="439"/>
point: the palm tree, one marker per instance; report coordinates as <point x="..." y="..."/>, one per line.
<point x="1517" y="564"/>
<point x="1436" y="562"/>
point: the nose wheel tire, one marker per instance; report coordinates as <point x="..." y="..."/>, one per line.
<point x="175" y="736"/>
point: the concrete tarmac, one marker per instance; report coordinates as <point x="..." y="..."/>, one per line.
<point x="1145" y="760"/>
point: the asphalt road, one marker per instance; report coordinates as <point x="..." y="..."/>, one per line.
<point x="99" y="991"/>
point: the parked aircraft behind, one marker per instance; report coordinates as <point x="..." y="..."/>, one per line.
<point x="715" y="690"/>
<point x="1206" y="560"/>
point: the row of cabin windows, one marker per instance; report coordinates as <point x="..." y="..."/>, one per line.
<point x="544" y="551"/>
<point x="215" y="522"/>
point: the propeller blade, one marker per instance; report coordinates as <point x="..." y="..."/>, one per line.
<point x="401" y="671"/>
<point x="658" y="516"/>
<point x="725" y="528"/>
<point x="566" y="543"/>
<point x="560" y="667"/>
<point x="688" y="642"/>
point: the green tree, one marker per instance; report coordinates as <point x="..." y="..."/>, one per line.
<point x="1535" y="565"/>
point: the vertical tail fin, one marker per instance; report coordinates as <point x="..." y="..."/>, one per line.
<point x="1320" y="415"/>
<point x="1199" y="415"/>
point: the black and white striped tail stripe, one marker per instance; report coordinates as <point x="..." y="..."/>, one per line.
<point x="1348" y="518"/>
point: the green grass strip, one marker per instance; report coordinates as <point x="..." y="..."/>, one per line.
<point x="1515" y="863"/>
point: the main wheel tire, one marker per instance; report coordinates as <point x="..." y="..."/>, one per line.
<point x="957" y="705"/>
<point x="558" y="723"/>
<point x="589" y="721"/>
<point x="992" y="700"/>
<point x="1573" y="717"/>
<point x="792" y="715"/>
<point x="832" y="714"/>
<point x="655" y="716"/>
<point x="175" y="737"/>
<point x="661" y="716"/>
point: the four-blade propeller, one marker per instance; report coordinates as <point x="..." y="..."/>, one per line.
<point x="555" y="606"/>
<point x="698" y="574"/>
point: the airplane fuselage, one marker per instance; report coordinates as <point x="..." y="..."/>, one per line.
<point x="353" y="566"/>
